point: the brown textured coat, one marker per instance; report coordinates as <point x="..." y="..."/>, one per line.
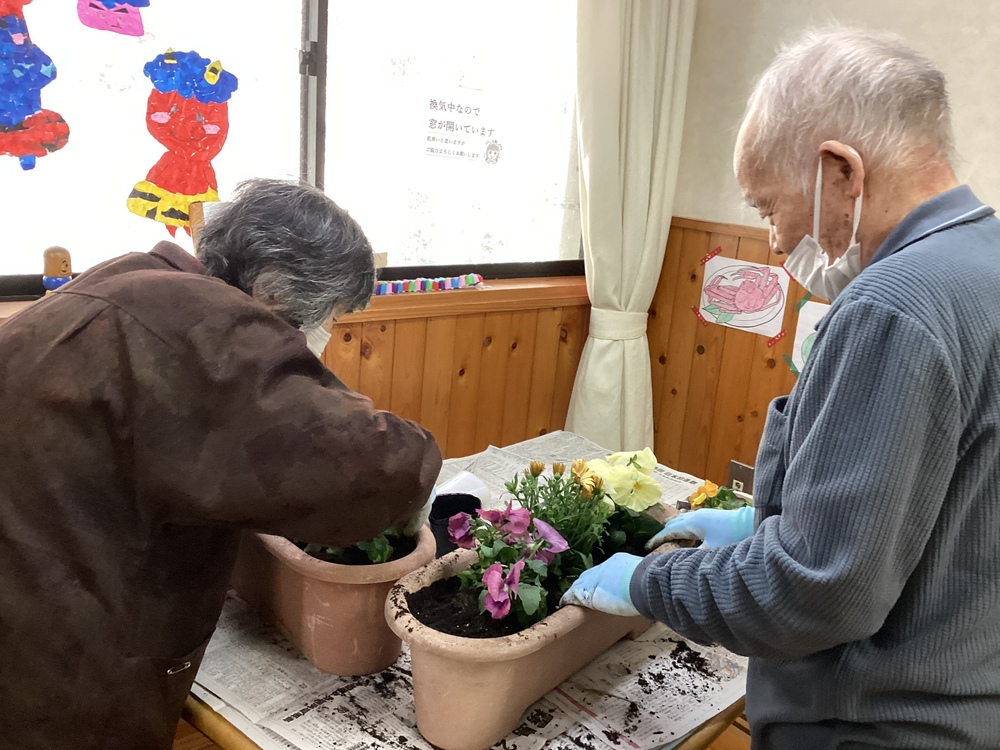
<point x="149" y="413"/>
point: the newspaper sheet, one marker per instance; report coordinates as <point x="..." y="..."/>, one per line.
<point x="257" y="680"/>
<point x="655" y="689"/>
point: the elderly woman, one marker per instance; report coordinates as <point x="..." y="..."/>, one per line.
<point x="153" y="408"/>
<point x="867" y="588"/>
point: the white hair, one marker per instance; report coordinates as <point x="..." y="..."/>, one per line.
<point x="866" y="90"/>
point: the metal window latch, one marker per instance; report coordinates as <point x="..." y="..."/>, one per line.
<point x="175" y="670"/>
<point x="309" y="60"/>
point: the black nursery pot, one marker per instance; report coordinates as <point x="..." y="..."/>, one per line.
<point x="444" y="507"/>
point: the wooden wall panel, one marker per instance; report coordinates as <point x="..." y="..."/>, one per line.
<point x="717" y="382"/>
<point x="493" y="379"/>
<point x="473" y="379"/>
<point x="476" y="372"/>
<point x="519" y="366"/>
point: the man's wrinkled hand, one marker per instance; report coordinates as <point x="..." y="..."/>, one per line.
<point x="605" y="587"/>
<point x="716" y="528"/>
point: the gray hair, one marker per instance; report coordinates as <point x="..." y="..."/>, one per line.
<point x="289" y="243"/>
<point x="866" y="90"/>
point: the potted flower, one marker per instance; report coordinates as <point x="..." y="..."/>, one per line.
<point x="711" y="495"/>
<point x="329" y="602"/>
<point x="486" y="636"/>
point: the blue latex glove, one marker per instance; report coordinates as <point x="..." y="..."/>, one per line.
<point x="605" y="587"/>
<point x="716" y="528"/>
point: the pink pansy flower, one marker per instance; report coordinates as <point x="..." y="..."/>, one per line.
<point x="554" y="542"/>
<point x="500" y="588"/>
<point x="460" y="531"/>
<point x="513" y="521"/>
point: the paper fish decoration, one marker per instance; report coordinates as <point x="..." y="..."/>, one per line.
<point x="110" y="15"/>
<point x="188" y="113"/>
<point x="26" y="130"/>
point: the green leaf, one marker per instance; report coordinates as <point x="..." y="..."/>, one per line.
<point x="379" y="550"/>
<point x="539" y="568"/>
<point x="711" y="309"/>
<point x="724" y="318"/>
<point x="482" y="601"/>
<point x="530" y="597"/>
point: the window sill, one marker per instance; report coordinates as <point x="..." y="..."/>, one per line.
<point x="9" y="308"/>
<point x="501" y="295"/>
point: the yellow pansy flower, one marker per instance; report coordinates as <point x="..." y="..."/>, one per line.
<point x="644" y="460"/>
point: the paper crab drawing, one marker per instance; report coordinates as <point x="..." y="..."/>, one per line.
<point x="110" y="15"/>
<point x="744" y="296"/>
<point x="26" y="130"/>
<point x="188" y="113"/>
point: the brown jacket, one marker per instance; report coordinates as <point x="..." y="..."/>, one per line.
<point x="149" y="413"/>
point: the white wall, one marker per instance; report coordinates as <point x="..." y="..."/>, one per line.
<point x="736" y="39"/>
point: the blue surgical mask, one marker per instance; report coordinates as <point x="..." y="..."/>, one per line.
<point x="809" y="264"/>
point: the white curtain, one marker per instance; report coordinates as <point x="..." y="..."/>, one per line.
<point x="632" y="62"/>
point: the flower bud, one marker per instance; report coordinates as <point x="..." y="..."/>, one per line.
<point x="558" y="469"/>
<point x="536" y="468"/>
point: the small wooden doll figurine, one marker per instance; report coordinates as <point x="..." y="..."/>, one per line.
<point x="58" y="269"/>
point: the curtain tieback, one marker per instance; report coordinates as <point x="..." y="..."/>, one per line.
<point x="615" y="325"/>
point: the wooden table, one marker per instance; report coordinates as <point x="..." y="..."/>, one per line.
<point x="228" y="737"/>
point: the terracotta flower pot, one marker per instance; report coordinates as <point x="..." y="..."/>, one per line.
<point x="333" y="613"/>
<point x="471" y="692"/>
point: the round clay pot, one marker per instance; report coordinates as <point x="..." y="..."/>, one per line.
<point x="333" y="613"/>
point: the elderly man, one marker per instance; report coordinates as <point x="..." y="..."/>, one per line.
<point x="867" y="589"/>
<point x="153" y="408"/>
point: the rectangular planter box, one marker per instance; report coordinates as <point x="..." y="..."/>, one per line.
<point x="471" y="692"/>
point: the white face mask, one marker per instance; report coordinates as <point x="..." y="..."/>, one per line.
<point x="809" y="264"/>
<point x="317" y="338"/>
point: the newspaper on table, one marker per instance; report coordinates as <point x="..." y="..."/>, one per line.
<point x="257" y="680"/>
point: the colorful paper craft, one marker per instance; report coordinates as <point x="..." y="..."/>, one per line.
<point x="26" y="130"/>
<point x="188" y="113"/>
<point x="110" y="15"/>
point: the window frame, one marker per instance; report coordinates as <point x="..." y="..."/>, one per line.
<point x="312" y="156"/>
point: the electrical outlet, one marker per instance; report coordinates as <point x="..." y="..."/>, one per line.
<point x="741" y="477"/>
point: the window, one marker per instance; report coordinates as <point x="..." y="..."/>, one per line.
<point x="76" y="196"/>
<point x="450" y="128"/>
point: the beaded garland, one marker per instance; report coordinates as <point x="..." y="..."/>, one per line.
<point x="428" y="285"/>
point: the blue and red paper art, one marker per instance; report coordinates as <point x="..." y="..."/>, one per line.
<point x="26" y="130"/>
<point x="111" y="15"/>
<point x="188" y="113"/>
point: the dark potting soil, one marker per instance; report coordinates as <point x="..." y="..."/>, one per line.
<point x="401" y="547"/>
<point x="448" y="608"/>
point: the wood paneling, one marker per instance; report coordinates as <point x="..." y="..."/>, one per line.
<point x="476" y="376"/>
<point x="496" y="365"/>
<point x="715" y="382"/>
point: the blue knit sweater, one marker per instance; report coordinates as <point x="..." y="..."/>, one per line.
<point x="868" y="597"/>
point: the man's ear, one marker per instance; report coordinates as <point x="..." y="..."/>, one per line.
<point x="846" y="161"/>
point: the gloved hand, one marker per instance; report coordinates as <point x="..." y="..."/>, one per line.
<point x="716" y="528"/>
<point x="411" y="527"/>
<point x="605" y="587"/>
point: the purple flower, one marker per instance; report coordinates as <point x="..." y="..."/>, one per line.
<point x="500" y="589"/>
<point x="513" y="521"/>
<point x="460" y="531"/>
<point x="554" y="542"/>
